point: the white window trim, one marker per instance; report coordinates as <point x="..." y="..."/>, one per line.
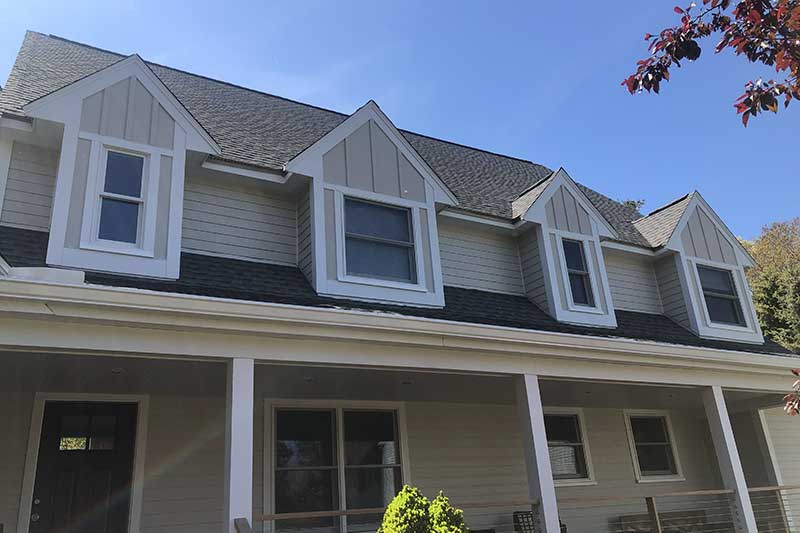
<point x="644" y="478"/>
<point x="585" y="241"/>
<point x="270" y="404"/>
<point x="341" y="261"/>
<point x="735" y="273"/>
<point x="590" y="477"/>
<point x="95" y="185"/>
<point x="32" y="456"/>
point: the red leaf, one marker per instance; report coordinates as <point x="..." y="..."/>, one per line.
<point x="745" y="118"/>
<point x="678" y="10"/>
<point x="647" y="36"/>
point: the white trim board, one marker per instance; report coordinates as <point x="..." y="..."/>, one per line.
<point x="32" y="453"/>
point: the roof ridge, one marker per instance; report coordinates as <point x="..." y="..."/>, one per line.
<point x="663" y="207"/>
<point x="264" y="93"/>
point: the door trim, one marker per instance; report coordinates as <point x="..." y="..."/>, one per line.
<point x="142" y="402"/>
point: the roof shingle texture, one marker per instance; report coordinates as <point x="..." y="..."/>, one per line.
<point x="263" y="130"/>
<point x="658" y="226"/>
<point x="219" y="277"/>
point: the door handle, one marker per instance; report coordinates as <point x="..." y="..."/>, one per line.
<point x="35" y="517"/>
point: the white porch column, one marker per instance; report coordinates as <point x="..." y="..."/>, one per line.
<point x="537" y="457"/>
<point x="728" y="456"/>
<point x="239" y="443"/>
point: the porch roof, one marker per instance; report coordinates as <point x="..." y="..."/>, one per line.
<point x="218" y="277"/>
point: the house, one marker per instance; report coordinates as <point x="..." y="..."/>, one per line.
<point x="225" y="310"/>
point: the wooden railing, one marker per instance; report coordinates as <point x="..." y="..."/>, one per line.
<point x="776" y="508"/>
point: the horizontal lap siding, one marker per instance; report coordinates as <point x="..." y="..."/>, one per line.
<point x="633" y="283"/>
<point x="304" y="257"/>
<point x="784" y="432"/>
<point x="532" y="272"/>
<point x="671" y="291"/>
<point x="239" y="221"/>
<point x="477" y="258"/>
<point x="30" y="188"/>
<point x="15" y="411"/>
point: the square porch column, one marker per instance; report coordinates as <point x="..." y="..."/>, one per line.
<point x="728" y="457"/>
<point x="537" y="456"/>
<point x="239" y="443"/>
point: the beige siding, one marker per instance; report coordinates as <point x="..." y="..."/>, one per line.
<point x="532" y="269"/>
<point x="669" y="287"/>
<point x="565" y="213"/>
<point x="31" y="184"/>
<point x="126" y="110"/>
<point x="633" y="282"/>
<point x="15" y="411"/>
<point x="752" y="448"/>
<point x="368" y="160"/>
<point x="701" y="238"/>
<point x="784" y="433"/>
<point x="304" y="237"/>
<point x="239" y="221"/>
<point x="479" y="258"/>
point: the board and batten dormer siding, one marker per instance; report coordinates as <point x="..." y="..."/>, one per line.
<point x="240" y="220"/>
<point x="29" y="191"/>
<point x="633" y="282"/>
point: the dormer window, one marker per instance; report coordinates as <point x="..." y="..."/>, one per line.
<point x="722" y="300"/>
<point x="580" y="281"/>
<point x="121" y="198"/>
<point x="379" y="241"/>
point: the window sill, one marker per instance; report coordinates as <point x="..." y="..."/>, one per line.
<point x="383" y="283"/>
<point x="660" y="479"/>
<point x="99" y="247"/>
<point x="574" y="483"/>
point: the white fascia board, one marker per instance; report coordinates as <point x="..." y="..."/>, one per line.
<point x="16" y="124"/>
<point x="57" y="105"/>
<point x="614" y="245"/>
<point x="303" y="163"/>
<point x="674" y="243"/>
<point x="536" y="212"/>
<point x="478" y="219"/>
<point x="263" y="175"/>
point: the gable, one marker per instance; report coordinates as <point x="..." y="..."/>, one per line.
<point x="701" y="238"/>
<point x="566" y="214"/>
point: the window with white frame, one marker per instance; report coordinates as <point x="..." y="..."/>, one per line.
<point x="721" y="299"/>
<point x="580" y="281"/>
<point x="335" y="459"/>
<point x="121" y="197"/>
<point x="567" y="447"/>
<point x="653" y="446"/>
<point x="379" y="241"/>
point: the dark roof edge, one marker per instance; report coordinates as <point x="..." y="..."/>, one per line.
<point x="666" y="206"/>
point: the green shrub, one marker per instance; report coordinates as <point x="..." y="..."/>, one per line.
<point x="411" y="512"/>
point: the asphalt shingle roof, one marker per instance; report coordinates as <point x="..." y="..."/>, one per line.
<point x="658" y="226"/>
<point x="219" y="277"/>
<point x="263" y="130"/>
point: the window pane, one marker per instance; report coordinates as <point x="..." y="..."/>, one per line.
<point x="581" y="289"/>
<point x="380" y="260"/>
<point x="714" y="279"/>
<point x="370" y="438"/>
<point x="74" y="431"/>
<point x="102" y="432"/>
<point x="303" y="491"/>
<point x="656" y="459"/>
<point x="724" y="310"/>
<point x="568" y="462"/>
<point x="649" y="429"/>
<point x="305" y="438"/>
<point x="119" y="221"/>
<point x="573" y="254"/>
<point x="562" y="428"/>
<point x="371" y="487"/>
<point x="374" y="220"/>
<point x="124" y="174"/>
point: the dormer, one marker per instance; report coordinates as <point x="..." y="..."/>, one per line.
<point x="373" y="203"/>
<point x="566" y="234"/>
<point x="705" y="261"/>
<point x="119" y="189"/>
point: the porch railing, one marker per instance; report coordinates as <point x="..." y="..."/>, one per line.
<point x="706" y="511"/>
<point x="777" y="508"/>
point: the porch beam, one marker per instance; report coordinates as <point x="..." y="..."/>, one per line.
<point x="537" y="456"/>
<point x="730" y="465"/>
<point x="239" y="443"/>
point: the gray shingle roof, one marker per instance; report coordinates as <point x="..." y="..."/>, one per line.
<point x="658" y="226"/>
<point x="263" y="130"/>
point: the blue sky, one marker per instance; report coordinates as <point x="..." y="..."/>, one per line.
<point x="537" y="80"/>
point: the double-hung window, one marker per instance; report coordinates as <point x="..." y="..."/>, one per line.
<point x="652" y="445"/>
<point x="580" y="281"/>
<point x="121" y="198"/>
<point x="379" y="241"/>
<point x="719" y="292"/>
<point x="566" y="444"/>
<point x="334" y="460"/>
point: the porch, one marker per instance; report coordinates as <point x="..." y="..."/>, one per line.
<point x="323" y="448"/>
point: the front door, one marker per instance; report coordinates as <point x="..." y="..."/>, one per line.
<point x="84" y="469"/>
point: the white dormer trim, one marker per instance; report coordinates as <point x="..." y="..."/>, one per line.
<point x="59" y="105"/>
<point x="674" y="243"/>
<point x="307" y="161"/>
<point x="536" y="212"/>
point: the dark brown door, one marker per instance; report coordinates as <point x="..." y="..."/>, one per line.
<point x="85" y="467"/>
